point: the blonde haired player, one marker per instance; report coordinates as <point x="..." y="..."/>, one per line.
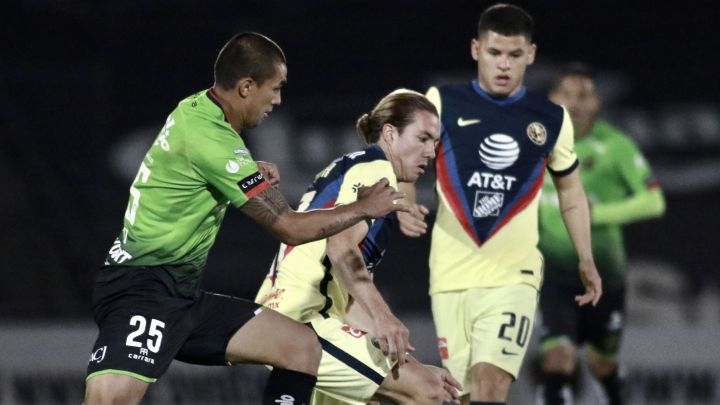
<point x="366" y="358"/>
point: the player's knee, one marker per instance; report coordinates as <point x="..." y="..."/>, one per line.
<point x="110" y="389"/>
<point x="303" y="352"/>
<point x="559" y="359"/>
<point x="601" y="368"/>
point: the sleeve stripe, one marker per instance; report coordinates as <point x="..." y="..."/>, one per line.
<point x="565" y="172"/>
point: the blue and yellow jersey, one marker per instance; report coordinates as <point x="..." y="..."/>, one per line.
<point x="490" y="167"/>
<point x="300" y="283"/>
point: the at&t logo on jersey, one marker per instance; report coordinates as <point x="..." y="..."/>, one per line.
<point x="499" y="151"/>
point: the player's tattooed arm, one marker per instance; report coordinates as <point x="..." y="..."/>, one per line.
<point x="270" y="209"/>
<point x="266" y="207"/>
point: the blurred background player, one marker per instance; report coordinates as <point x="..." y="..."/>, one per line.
<point x="497" y="140"/>
<point x="329" y="283"/>
<point x="146" y="300"/>
<point x="621" y="190"/>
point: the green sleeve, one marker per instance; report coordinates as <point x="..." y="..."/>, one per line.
<point x="643" y="205"/>
<point x="645" y="198"/>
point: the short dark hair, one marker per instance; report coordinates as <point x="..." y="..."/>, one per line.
<point x="397" y="108"/>
<point x="247" y="54"/>
<point x="581" y="69"/>
<point x="506" y="19"/>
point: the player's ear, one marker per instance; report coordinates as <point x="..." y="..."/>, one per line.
<point x="388" y="132"/>
<point x="475" y="49"/>
<point x="244" y="86"/>
<point x="532" y="51"/>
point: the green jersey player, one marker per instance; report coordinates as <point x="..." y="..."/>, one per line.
<point x="620" y="189"/>
<point x="146" y="302"/>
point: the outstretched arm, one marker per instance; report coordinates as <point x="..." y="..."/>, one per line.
<point x="576" y="215"/>
<point x="271" y="210"/>
<point x="349" y="267"/>
<point x="650" y="203"/>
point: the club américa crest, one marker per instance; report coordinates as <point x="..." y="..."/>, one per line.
<point x="537" y="133"/>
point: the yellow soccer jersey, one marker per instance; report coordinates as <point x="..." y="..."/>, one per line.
<point x="300" y="283"/>
<point x="490" y="165"/>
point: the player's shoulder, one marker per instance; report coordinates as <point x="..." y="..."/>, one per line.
<point x="540" y="102"/>
<point x="200" y="109"/>
<point x="609" y="133"/>
<point x="456" y="89"/>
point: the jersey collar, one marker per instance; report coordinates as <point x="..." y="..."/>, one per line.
<point x="499" y="101"/>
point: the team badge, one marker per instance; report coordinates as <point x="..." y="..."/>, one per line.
<point x="537" y="133"/>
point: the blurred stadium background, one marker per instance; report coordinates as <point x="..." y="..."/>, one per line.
<point x="86" y="86"/>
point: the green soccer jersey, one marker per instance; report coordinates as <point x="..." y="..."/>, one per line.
<point x="196" y="167"/>
<point x="612" y="169"/>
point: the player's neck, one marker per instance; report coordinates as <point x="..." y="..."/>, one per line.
<point x="224" y="97"/>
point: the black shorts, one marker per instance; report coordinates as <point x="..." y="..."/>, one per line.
<point x="145" y="323"/>
<point x="600" y="327"/>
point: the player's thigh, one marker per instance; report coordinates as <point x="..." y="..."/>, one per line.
<point x="140" y="331"/>
<point x="502" y="322"/>
<point x="351" y="368"/>
<point x="559" y="321"/>
<point x="604" y="326"/>
<point x="115" y="388"/>
<point x="274" y="339"/>
<point x="451" y="316"/>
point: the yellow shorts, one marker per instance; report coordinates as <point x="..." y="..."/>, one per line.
<point x="351" y="368"/>
<point x="484" y="325"/>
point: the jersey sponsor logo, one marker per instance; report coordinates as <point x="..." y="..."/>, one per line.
<point x="164" y="133"/>
<point x="491" y="181"/>
<point x="487" y="204"/>
<point x="118" y="254"/>
<point x="98" y="355"/>
<point x="232" y="167"/>
<point x="355" y="155"/>
<point x="443" y="348"/>
<point x="354" y="332"/>
<point x="250" y="182"/>
<point x="537" y="133"/>
<point x="465" y="122"/>
<point x="356" y="187"/>
<point x="499" y="151"/>
<point x="142" y="356"/>
<point x="615" y="322"/>
<point x="273" y="298"/>
<point x="241" y="151"/>
<point x="285" y="400"/>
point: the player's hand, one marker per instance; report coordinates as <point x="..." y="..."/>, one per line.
<point x="592" y="282"/>
<point x="380" y="199"/>
<point x="270" y="172"/>
<point x="392" y="338"/>
<point x="413" y="223"/>
<point x="451" y="386"/>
